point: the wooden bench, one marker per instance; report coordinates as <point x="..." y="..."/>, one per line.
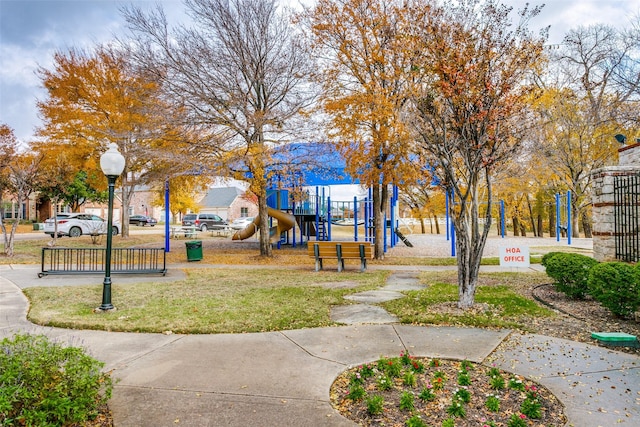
<point x="341" y="251"/>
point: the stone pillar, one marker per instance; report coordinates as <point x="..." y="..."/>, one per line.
<point x="604" y="245"/>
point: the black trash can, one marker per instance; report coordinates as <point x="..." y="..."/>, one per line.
<point x="194" y="250"/>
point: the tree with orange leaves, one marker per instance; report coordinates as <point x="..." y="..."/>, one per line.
<point x="100" y="97"/>
<point x="367" y="74"/>
<point x="473" y="111"/>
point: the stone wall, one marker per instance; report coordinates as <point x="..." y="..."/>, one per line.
<point x="629" y="155"/>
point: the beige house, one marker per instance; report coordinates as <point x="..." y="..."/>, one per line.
<point x="229" y="203"/>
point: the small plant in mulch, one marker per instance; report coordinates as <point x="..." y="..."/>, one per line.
<point x="392" y="392"/>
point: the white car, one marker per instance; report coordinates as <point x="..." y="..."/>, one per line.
<point x="77" y="224"/>
<point x="241" y="223"/>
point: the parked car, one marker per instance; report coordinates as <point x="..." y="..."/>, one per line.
<point x="241" y="223"/>
<point x="77" y="224"/>
<point x="142" y="220"/>
<point x="204" y="221"/>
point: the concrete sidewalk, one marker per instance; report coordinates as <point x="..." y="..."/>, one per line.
<point x="283" y="378"/>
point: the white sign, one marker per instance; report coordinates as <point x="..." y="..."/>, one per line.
<point x="514" y="256"/>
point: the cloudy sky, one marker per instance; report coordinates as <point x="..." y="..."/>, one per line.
<point x="32" y="30"/>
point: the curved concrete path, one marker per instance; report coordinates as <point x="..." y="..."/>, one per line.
<point x="283" y="378"/>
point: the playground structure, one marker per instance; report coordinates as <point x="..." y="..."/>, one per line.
<point x="312" y="215"/>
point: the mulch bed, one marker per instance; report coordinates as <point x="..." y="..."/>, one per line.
<point x="434" y="412"/>
<point x="577" y="319"/>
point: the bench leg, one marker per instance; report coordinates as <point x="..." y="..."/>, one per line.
<point x="316" y="253"/>
<point x="340" y="259"/>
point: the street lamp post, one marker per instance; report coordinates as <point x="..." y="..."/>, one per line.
<point x="112" y="165"/>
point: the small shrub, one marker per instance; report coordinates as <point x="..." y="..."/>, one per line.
<point x="546" y="257"/>
<point x="531" y="408"/>
<point x="439" y="378"/>
<point x="466" y="365"/>
<point x="493" y="372"/>
<point x="385" y="383"/>
<point x="375" y="405"/>
<point x="464" y="378"/>
<point x="415" y="421"/>
<point x="456" y="409"/>
<point x="393" y="367"/>
<point x="517" y="420"/>
<point x="570" y="272"/>
<point x="356" y="392"/>
<point x="427" y="393"/>
<point x="409" y="379"/>
<point x="407" y="401"/>
<point x="366" y="371"/>
<point x="492" y="403"/>
<point x="497" y="382"/>
<point x="417" y="366"/>
<point x="615" y="285"/>
<point x="516" y="384"/>
<point x="449" y="422"/>
<point x="463" y="395"/>
<point x="45" y="383"/>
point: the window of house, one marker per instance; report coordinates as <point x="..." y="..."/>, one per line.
<point x="244" y="212"/>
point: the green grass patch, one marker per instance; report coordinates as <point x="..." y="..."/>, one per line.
<point x="498" y="302"/>
<point x="208" y="301"/>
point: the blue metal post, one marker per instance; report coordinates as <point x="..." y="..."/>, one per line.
<point x="355" y="218"/>
<point x="317" y="213"/>
<point x="502" y="218"/>
<point x="453" y="239"/>
<point x="329" y="218"/>
<point x="569" y="217"/>
<point x="446" y="210"/>
<point x="293" y="230"/>
<point x="167" y="216"/>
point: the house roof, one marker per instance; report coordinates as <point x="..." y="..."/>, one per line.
<point x="221" y="197"/>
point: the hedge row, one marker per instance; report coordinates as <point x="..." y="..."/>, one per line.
<point x="615" y="285"/>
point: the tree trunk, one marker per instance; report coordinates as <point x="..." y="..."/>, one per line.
<point x="540" y="226"/>
<point x="379" y="209"/>
<point x="531" y="217"/>
<point x="586" y="225"/>
<point x="435" y="220"/>
<point x="552" y="220"/>
<point x="265" y="238"/>
<point x="523" y="230"/>
<point x="516" y="226"/>
<point x="469" y="247"/>
<point x="575" y="231"/>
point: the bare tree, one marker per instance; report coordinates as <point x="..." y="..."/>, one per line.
<point x="238" y="73"/>
<point x="24" y="179"/>
<point x="590" y="89"/>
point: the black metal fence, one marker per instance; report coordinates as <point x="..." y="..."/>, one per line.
<point x="92" y="260"/>
<point x="626" y="193"/>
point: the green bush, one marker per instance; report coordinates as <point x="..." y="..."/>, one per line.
<point x="570" y="272"/>
<point x="615" y="286"/>
<point x="546" y="257"/>
<point x="45" y="384"/>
